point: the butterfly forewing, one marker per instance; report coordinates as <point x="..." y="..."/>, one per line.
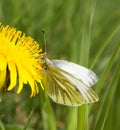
<point x="80" y="72"/>
<point x="66" y="89"/>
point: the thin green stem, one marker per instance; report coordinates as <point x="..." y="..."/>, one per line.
<point x="29" y="118"/>
<point x="72" y="119"/>
<point x="48" y="115"/>
<point x="83" y="117"/>
<point x="1" y="126"/>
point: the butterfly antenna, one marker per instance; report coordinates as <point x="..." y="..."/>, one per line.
<point x="44" y="41"/>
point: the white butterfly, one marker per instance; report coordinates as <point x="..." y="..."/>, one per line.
<point x="68" y="83"/>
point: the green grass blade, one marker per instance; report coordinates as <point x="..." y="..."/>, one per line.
<point x="83" y="110"/>
<point x="107" y="70"/>
<point x="117" y="29"/>
<point x="104" y="111"/>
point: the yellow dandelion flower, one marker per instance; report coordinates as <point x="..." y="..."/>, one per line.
<point x="19" y="62"/>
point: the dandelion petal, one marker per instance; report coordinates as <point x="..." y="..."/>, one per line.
<point x="13" y="75"/>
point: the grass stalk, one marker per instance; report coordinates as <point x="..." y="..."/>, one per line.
<point x="107" y="100"/>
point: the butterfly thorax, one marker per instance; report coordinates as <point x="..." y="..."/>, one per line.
<point x="46" y="62"/>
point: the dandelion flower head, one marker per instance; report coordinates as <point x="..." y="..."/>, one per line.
<point x="19" y="62"/>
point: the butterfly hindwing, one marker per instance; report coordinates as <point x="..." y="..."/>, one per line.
<point x="66" y="89"/>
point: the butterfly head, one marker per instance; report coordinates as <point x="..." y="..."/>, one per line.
<point x="46" y="62"/>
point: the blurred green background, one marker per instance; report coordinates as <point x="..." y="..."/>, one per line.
<point x="85" y="32"/>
